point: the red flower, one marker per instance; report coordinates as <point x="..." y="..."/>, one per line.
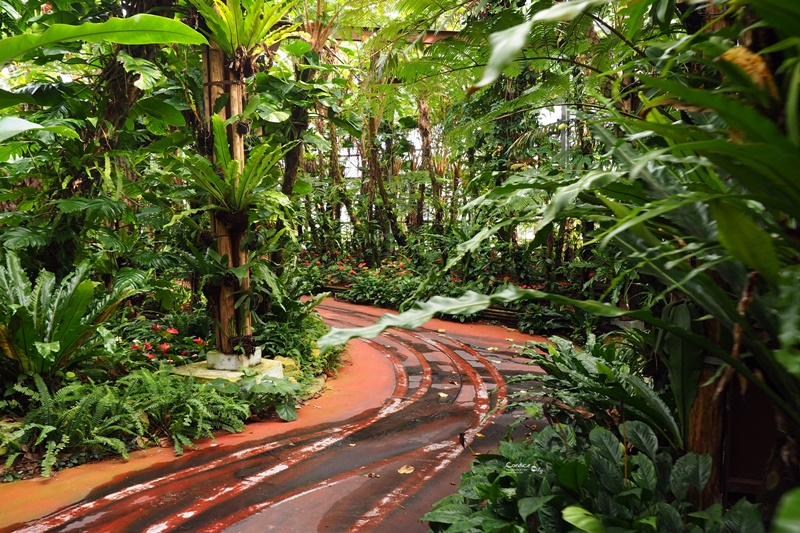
<point x="156" y="327"/>
<point x="183" y="353"/>
<point x="591" y="274"/>
<point x="148" y="346"/>
<point x="150" y="356"/>
<point x="197" y="340"/>
<point x="164" y="347"/>
<point x="172" y="330"/>
<point x="135" y="347"/>
<point x="318" y="263"/>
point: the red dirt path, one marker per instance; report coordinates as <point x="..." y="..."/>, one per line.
<point x="402" y="399"/>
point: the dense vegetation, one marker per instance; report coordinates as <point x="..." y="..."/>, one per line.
<point x="161" y="197"/>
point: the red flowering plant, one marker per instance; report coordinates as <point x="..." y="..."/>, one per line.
<point x="156" y="342"/>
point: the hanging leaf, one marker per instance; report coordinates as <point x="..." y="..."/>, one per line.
<point x="567" y="10"/>
<point x="139" y="29"/>
<point x="8" y="99"/>
<point x="10" y="126"/>
<point x="505" y="45"/>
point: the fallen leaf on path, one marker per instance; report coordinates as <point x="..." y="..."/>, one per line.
<point x="492" y="348"/>
<point x="509" y="340"/>
<point x="441" y="330"/>
<point x="407" y="469"/>
<point x="352" y="445"/>
<point x="479" y="435"/>
<point x="443" y="395"/>
<point x="495" y="361"/>
<point x="372" y="474"/>
<point x="452" y="382"/>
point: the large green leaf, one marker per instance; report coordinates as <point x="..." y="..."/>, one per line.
<point x="8" y="99"/>
<point x="161" y="110"/>
<point x="139" y="29"/>
<point x="787" y="516"/>
<point x="506" y="45"/>
<point x="10" y="126"/>
<point x="641" y="436"/>
<point x="582" y="519"/>
<point x="745" y="240"/>
<point x="606" y="443"/>
<point x="691" y="470"/>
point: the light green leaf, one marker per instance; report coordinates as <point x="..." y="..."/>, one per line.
<point x="506" y="45"/>
<point x="582" y="519"/>
<point x="139" y="29"/>
<point x="567" y="10"/>
<point x="787" y="516"/>
<point x="10" y="126"/>
<point x="46" y="348"/>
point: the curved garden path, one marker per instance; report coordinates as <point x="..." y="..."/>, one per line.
<point x="420" y="399"/>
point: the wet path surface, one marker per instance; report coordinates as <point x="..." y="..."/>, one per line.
<point x="423" y="399"/>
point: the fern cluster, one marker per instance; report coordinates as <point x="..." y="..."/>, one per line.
<point x="101" y="419"/>
<point x="182" y="409"/>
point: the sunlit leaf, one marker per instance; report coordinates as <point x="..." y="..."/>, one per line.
<point x="139" y="29"/>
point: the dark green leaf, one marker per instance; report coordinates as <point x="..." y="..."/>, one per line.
<point x="530" y="505"/>
<point x="573" y="474"/>
<point x="606" y="443"/>
<point x="641" y="436"/>
<point x="745" y="240"/>
<point x="159" y="109"/>
<point x="691" y="470"/>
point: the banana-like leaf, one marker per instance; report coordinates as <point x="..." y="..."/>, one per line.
<point x="11" y="126"/>
<point x="139" y="29"/>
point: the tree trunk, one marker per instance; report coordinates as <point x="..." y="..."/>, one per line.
<point x="228" y="234"/>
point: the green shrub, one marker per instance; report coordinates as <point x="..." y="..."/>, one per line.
<point x="565" y="478"/>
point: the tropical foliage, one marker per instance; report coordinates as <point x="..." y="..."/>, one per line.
<point x="584" y="163"/>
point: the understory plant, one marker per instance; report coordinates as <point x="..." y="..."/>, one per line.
<point x="566" y="478"/>
<point x="46" y="326"/>
<point x="144" y="408"/>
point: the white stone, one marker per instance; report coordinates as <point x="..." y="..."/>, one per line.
<point x="228" y="361"/>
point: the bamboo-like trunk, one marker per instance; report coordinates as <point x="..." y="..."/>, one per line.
<point x="228" y="322"/>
